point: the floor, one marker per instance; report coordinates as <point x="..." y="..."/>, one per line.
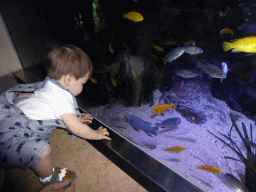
<point x="95" y="173"/>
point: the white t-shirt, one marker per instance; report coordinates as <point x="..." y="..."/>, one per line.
<point x="48" y="103"/>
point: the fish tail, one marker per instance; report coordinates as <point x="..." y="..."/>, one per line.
<point x="165" y="149"/>
<point x="197" y="167"/>
<point x="226" y="46"/>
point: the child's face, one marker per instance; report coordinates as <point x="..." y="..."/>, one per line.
<point x="76" y="86"/>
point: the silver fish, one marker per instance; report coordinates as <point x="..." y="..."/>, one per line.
<point x="192" y="50"/>
<point x="225" y="69"/>
<point x="174" y="54"/>
<point x="185" y="73"/>
<point x="212" y="70"/>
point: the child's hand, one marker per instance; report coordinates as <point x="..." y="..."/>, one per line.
<point x="102" y="133"/>
<point x="86" y="118"/>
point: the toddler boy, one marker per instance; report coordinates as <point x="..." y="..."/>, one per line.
<point x="30" y="112"/>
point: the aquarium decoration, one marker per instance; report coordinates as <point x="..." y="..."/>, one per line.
<point x="250" y="161"/>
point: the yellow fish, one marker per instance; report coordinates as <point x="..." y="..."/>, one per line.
<point x="190" y="42"/>
<point x="159" y="109"/>
<point x="111" y="48"/>
<point x="93" y="80"/>
<point x="247" y="44"/>
<point x="133" y="16"/>
<point x="158" y="48"/>
<point x="175" y="149"/>
<point x="227" y="31"/>
<point x="169" y="43"/>
<point x="112" y="80"/>
<point x="210" y="169"/>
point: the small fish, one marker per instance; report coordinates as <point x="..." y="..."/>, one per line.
<point x="212" y="70"/>
<point x="192" y="50"/>
<point x="248" y="28"/>
<point x="112" y="80"/>
<point x="246" y="44"/>
<point x="227" y="31"/>
<point x="169" y="43"/>
<point x="110" y="47"/>
<point x="134" y="76"/>
<point x="133" y="16"/>
<point x="172" y="160"/>
<point x="158" y="48"/>
<point x="190" y="43"/>
<point x="174" y="54"/>
<point x="210" y="169"/>
<point x="159" y="109"/>
<point x="225" y="69"/>
<point x="93" y="80"/>
<point x="170" y="123"/>
<point x="175" y="149"/>
<point x="149" y="146"/>
<point x="185" y="73"/>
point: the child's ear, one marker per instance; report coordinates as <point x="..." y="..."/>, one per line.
<point x="67" y="79"/>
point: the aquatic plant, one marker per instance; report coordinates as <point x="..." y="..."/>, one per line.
<point x="250" y="161"/>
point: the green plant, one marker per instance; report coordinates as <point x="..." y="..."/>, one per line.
<point x="250" y="161"/>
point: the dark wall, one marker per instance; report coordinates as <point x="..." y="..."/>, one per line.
<point x="37" y="26"/>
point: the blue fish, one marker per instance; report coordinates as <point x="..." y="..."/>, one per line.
<point x="138" y="123"/>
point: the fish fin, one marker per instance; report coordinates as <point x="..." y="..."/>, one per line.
<point x="226" y="46"/>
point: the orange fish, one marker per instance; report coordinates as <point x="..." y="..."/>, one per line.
<point x="134" y="76"/>
<point x="175" y="149"/>
<point x="190" y="42"/>
<point x="159" y="109"/>
<point x="133" y="16"/>
<point x="210" y="169"/>
<point x="227" y="31"/>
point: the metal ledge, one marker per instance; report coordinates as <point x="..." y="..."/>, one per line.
<point x="146" y="170"/>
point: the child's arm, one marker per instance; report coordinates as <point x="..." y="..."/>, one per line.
<point x="21" y="95"/>
<point x="83" y="130"/>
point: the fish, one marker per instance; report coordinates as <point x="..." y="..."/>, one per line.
<point x="227" y="31"/>
<point x="192" y="50"/>
<point x="248" y="28"/>
<point x="110" y="47"/>
<point x="212" y="70"/>
<point x="138" y="123"/>
<point x="134" y="76"/>
<point x="176" y="149"/>
<point x="149" y="146"/>
<point x="133" y="16"/>
<point x="160" y="109"/>
<point x="210" y="169"/>
<point x="112" y="80"/>
<point x="185" y="73"/>
<point x="170" y="123"/>
<point x="158" y="48"/>
<point x="190" y="42"/>
<point x="247" y="44"/>
<point x="93" y="80"/>
<point x="174" y="54"/>
<point x="168" y="43"/>
<point x="225" y="69"/>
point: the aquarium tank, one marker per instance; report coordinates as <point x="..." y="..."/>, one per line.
<point x="169" y="74"/>
<point x="177" y="79"/>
